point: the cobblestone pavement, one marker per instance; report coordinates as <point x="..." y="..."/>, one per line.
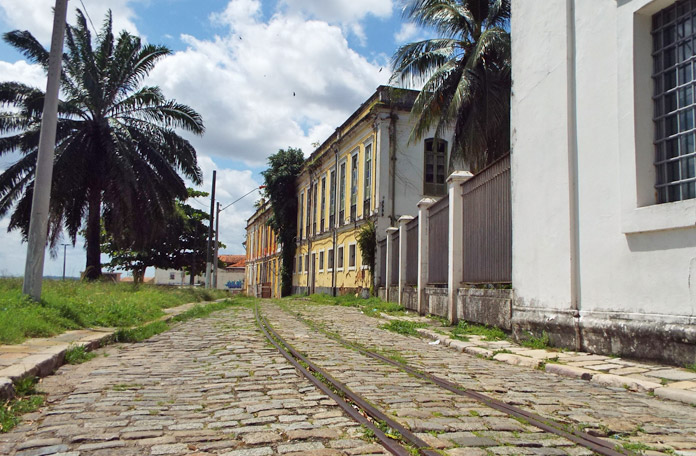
<point x="623" y="417"/>
<point x="208" y="386"/>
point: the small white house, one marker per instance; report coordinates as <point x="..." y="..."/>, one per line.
<point x="603" y="174"/>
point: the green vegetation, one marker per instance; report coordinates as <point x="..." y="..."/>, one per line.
<point x="367" y="243"/>
<point x="538" y="343"/>
<point x="371" y="307"/>
<point x="465" y="329"/>
<point x="407" y="328"/>
<point x="140" y="333"/>
<point x="637" y="447"/>
<point x="691" y="367"/>
<point x="72" y="305"/>
<point x="27" y="400"/>
<point x="104" y="102"/>
<point x="78" y="354"/>
<point x="200" y="311"/>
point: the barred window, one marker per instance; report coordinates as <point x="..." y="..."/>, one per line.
<point x="674" y="51"/>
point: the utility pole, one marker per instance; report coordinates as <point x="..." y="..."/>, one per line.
<point x="38" y="224"/>
<point x="65" y="248"/>
<point x="217" y="232"/>
<point x="209" y="251"/>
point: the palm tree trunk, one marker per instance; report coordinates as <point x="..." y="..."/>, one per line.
<point x="93" y="236"/>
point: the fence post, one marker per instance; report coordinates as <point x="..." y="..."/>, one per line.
<point x="390" y="253"/>
<point x="456" y="233"/>
<point x="403" y="243"/>
<point x="423" y="243"/>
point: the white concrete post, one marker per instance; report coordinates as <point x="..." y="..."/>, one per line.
<point x="423" y="244"/>
<point x="454" y="264"/>
<point x="390" y="252"/>
<point x="403" y="221"/>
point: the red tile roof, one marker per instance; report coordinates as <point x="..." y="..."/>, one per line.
<point x="233" y="261"/>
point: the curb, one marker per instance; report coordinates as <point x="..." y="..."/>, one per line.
<point x="609" y="380"/>
<point x="44" y="364"/>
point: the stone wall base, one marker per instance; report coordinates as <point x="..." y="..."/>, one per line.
<point x="649" y="337"/>
<point x="409" y="298"/>
<point x="436" y="301"/>
<point x="393" y="294"/>
<point x="485" y="306"/>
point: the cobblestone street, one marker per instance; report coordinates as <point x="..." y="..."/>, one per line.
<point x="216" y="386"/>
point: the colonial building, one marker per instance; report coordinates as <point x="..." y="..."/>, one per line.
<point x="230" y="277"/>
<point x="603" y="175"/>
<point x="367" y="170"/>
<point x="263" y="256"/>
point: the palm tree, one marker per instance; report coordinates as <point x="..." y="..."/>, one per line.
<point x="466" y="75"/>
<point x="118" y="154"/>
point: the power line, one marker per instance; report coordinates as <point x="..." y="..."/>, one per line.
<point x="94" y="29"/>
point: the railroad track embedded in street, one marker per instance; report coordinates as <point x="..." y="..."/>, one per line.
<point x="396" y="438"/>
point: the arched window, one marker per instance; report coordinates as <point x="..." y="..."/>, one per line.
<point x="435" y="165"/>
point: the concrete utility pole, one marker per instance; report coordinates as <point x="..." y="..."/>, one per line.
<point x="38" y="224"/>
<point x="209" y="251"/>
<point x="217" y="232"/>
<point x="65" y="251"/>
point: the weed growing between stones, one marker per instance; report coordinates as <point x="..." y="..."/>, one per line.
<point x="489" y="333"/>
<point x="27" y="400"/>
<point x="537" y="343"/>
<point x="407" y="328"/>
<point x="78" y="354"/>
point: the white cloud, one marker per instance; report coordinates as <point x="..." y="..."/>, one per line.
<point x="267" y="85"/>
<point x="341" y="11"/>
<point x="21" y="71"/>
<point x="37" y="15"/>
<point x="407" y="32"/>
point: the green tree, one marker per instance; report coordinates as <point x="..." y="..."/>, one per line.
<point x="118" y="154"/>
<point x="281" y="189"/>
<point x="367" y="241"/>
<point x="466" y="75"/>
<point x="180" y="243"/>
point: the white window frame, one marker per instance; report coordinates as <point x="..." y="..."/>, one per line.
<point x="322" y="264"/>
<point x="355" y="262"/>
<point x="329" y="269"/>
<point x="340" y="252"/>
<point x="639" y="209"/>
<point x="369" y="143"/>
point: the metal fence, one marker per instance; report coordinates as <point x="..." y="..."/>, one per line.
<point x="394" y="279"/>
<point x="487" y="223"/>
<point x="412" y="252"/>
<point x="382" y="248"/>
<point x="438" y="225"/>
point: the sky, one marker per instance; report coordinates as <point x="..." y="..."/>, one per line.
<point x="264" y="74"/>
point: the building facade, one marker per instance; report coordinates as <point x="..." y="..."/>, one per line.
<point x="368" y="170"/>
<point x="603" y="175"/>
<point x="263" y="255"/>
<point x="230" y="278"/>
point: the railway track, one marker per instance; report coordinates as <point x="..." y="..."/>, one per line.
<point x="394" y="436"/>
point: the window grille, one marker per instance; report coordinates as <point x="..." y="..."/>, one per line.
<point x="673" y="33"/>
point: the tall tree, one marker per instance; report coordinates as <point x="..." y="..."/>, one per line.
<point x="466" y="75"/>
<point x="281" y="189"/>
<point x="118" y="154"/>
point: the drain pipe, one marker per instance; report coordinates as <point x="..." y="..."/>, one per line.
<point x="573" y="206"/>
<point x="392" y="166"/>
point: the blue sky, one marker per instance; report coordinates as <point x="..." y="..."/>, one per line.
<point x="264" y="74"/>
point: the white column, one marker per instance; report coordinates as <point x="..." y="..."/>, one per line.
<point x="390" y="252"/>
<point x="423" y="244"/>
<point x="456" y="231"/>
<point x="403" y="221"/>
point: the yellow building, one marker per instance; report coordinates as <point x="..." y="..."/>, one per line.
<point x="367" y="170"/>
<point x="262" y="275"/>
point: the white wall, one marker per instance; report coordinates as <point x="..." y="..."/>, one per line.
<point x="163" y="277"/>
<point x="636" y="259"/>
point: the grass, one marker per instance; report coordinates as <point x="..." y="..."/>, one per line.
<point x="465" y="329"/>
<point x="78" y="354"/>
<point x="691" y="367"/>
<point x="407" y="328"/>
<point x="537" y="343"/>
<point x="27" y="400"/>
<point x="371" y="307"/>
<point x="71" y="304"/>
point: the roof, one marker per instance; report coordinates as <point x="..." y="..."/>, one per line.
<point x="233" y="261"/>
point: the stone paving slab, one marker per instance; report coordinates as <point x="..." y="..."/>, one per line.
<point x="42" y="355"/>
<point x="611" y="411"/>
<point x="637" y="376"/>
<point x="209" y="386"/>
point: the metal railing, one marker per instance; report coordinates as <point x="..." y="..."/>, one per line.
<point x="438" y="227"/>
<point x="412" y="252"/>
<point x="487" y="225"/>
<point x="394" y="279"/>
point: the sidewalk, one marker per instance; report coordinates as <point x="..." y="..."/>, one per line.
<point x="666" y="382"/>
<point x="39" y="357"/>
